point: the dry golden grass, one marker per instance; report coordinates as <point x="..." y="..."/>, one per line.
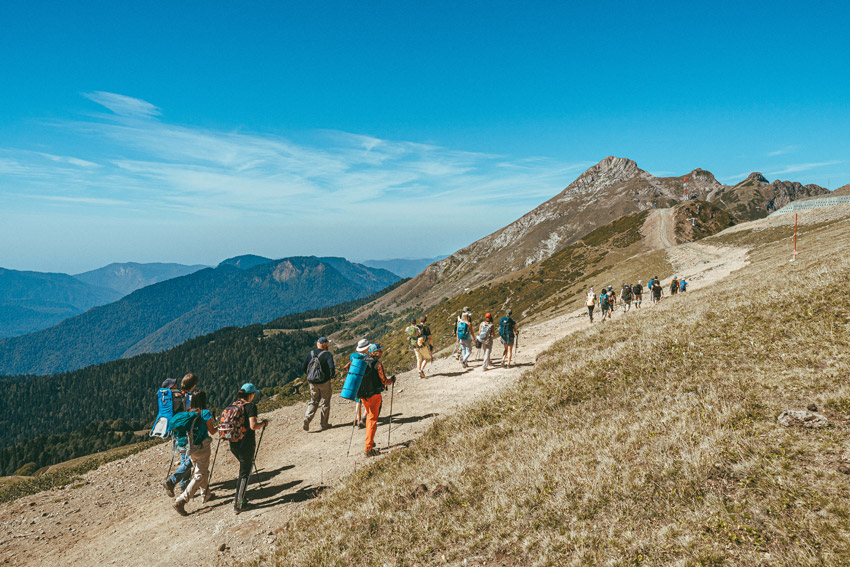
<point x="650" y="440"/>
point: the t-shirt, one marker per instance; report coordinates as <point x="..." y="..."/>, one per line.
<point x="424" y="332"/>
<point x="249" y="410"/>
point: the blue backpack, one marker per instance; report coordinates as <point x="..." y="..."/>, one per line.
<point x="506" y="327"/>
<point x="167" y="404"/>
<point x="463" y="330"/>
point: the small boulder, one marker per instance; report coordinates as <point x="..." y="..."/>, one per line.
<point x="812" y="407"/>
<point x="802" y="418"/>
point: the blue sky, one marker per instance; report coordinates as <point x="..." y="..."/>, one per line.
<point x="190" y="132"/>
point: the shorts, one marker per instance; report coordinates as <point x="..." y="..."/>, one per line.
<point x="422" y="353"/>
<point x="508" y="341"/>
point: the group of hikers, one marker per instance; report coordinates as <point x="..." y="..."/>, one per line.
<point x="631" y="295"/>
<point x="184" y="416"/>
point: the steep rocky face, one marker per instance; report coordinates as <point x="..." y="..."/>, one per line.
<point x="755" y="197"/>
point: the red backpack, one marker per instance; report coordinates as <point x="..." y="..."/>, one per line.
<point x="232" y="424"/>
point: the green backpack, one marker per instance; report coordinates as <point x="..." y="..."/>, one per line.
<point x="180" y="426"/>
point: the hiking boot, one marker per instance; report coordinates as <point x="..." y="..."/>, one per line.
<point x="372" y="453"/>
<point x="180" y="506"/>
<point x="325" y="427"/>
<point x="421" y="374"/>
<point x="361" y="424"/>
<point x="306" y="425"/>
<point x="169" y="487"/>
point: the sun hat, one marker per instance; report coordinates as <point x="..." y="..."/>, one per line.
<point x="249" y="388"/>
<point x="362" y="345"/>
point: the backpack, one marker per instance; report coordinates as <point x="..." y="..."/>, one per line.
<point x="168" y="403"/>
<point x="506" y="328"/>
<point x="626" y="294"/>
<point x="232" y="424"/>
<point x="683" y="285"/>
<point x="463" y="330"/>
<point x="413" y="333"/>
<point x="637" y="289"/>
<point x="181" y="425"/>
<point x="422" y="338"/>
<point x="315" y="374"/>
<point x="484" y="333"/>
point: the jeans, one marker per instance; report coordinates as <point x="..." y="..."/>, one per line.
<point x="465" y="349"/>
<point x="488" y="348"/>
<point x="183" y="473"/>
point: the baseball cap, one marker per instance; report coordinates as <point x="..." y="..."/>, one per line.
<point x="323" y="340"/>
<point x="249" y="388"/>
<point x="374" y="347"/>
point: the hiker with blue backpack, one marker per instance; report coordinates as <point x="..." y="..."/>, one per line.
<point x="508" y="332"/>
<point x="194" y="430"/>
<point x="182" y="402"/>
<point x="320" y="369"/>
<point x="238" y="424"/>
<point x="464" y="336"/>
<point x="683" y="285"/>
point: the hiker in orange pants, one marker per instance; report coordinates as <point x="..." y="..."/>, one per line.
<point x="374" y="382"/>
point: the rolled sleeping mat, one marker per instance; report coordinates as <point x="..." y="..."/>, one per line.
<point x="354" y="376"/>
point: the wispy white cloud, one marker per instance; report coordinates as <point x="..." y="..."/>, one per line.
<point x="123" y="105"/>
<point x="782" y="151"/>
<point x="795" y="168"/>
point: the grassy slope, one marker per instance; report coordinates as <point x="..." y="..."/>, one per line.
<point x="658" y="451"/>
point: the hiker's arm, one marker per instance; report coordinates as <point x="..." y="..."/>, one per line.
<point x="331" y="367"/>
<point x="211" y="428"/>
<point x="256" y="425"/>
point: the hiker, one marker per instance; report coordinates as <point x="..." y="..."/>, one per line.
<point x="637" y="293"/>
<point x="485" y="337"/>
<point x="612" y="300"/>
<point x="464" y="335"/>
<point x="320" y="370"/>
<point x="674" y="286"/>
<point x="508" y="332"/>
<point x="373" y="383"/>
<point x="457" y="340"/>
<point x="626" y="296"/>
<point x="590" y="302"/>
<point x="240" y="419"/>
<point x="657" y="290"/>
<point x="200" y="449"/>
<point x="424" y="346"/>
<point x="604" y="303"/>
<point x="183" y="400"/>
<point x="683" y="286"/>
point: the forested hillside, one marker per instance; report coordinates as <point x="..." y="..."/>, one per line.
<point x="268" y="355"/>
<point x="162" y="315"/>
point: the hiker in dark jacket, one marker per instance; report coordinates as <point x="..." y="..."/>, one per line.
<point x="321" y="386"/>
<point x="183" y="474"/>
<point x="374" y="381"/>
<point x="243" y="449"/>
<point x="200" y="448"/>
<point x="508" y="332"/>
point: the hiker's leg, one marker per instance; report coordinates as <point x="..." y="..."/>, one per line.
<point x="184" y="472"/>
<point x="200" y="472"/>
<point x="373" y="409"/>
<point x="466" y="351"/>
<point x="418" y="358"/>
<point x="488" y="348"/>
<point x="246" y="459"/>
<point x="326" y="390"/>
<point x="315" y="397"/>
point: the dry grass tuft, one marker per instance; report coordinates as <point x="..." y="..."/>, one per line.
<point x="651" y="440"/>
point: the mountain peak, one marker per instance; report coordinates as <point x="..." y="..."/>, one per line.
<point x="621" y="167"/>
<point x="701" y="175"/>
<point x="245" y="262"/>
<point x="756" y="176"/>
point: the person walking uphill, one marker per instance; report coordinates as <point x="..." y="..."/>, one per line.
<point x="374" y="381"/>
<point x="590" y="302"/>
<point x="508" y="332"/>
<point x="183" y="402"/>
<point x="320" y="369"/>
<point x="424" y="346"/>
<point x="238" y="424"/>
<point x="485" y="337"/>
<point x="199" y="439"/>
<point x="464" y="335"/>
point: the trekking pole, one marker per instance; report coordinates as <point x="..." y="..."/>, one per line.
<point x="390" y="427"/>
<point x="353" y="427"/>
<point x="212" y="468"/>
<point x="254" y="470"/>
<point x="173" y="453"/>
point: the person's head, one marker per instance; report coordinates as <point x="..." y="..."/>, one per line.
<point x="199" y="400"/>
<point x="640" y="282"/>
<point x="510" y="312"/>
<point x="488" y="317"/>
<point x="188" y="382"/>
<point x="423" y="319"/>
<point x="247" y="391"/>
<point x="375" y="351"/>
<point x="362" y="346"/>
<point x="323" y="343"/>
<point x="466" y="310"/>
<point x="413" y="321"/>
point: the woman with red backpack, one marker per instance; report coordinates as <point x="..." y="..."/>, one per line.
<point x="238" y="424"/>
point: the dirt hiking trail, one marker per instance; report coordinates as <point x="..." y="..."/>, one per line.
<point x="120" y="515"/>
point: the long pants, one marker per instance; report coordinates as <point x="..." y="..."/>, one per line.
<point x="488" y="349"/>
<point x="465" y="350"/>
<point x="320" y="393"/>
<point x="244" y="452"/>
<point x="183" y="473"/>
<point x="201" y="472"/>
<point x="373" y="410"/>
